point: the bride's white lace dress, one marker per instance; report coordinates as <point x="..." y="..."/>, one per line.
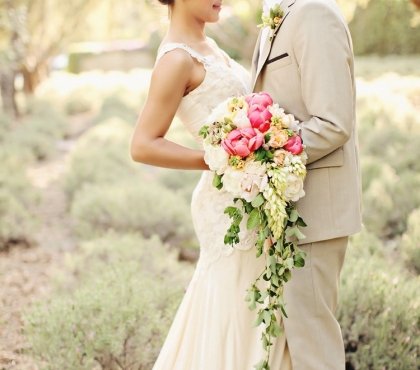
<point x="213" y="328"/>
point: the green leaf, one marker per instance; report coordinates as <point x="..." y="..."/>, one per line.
<point x="283" y="311"/>
<point x="204" y="131"/>
<point x="254" y="219"/>
<point x="258" y="201"/>
<point x="299" y="261"/>
<point x="267" y="317"/>
<point x="300" y="222"/>
<point x="294" y="215"/>
<point x="217" y="181"/>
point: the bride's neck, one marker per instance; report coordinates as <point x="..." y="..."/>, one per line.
<point x="186" y="28"/>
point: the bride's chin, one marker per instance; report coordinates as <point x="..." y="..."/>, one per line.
<point x="213" y="19"/>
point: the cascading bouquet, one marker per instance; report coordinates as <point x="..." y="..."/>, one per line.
<point x="257" y="155"/>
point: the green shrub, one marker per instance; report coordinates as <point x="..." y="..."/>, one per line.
<point x="182" y="182"/>
<point x="132" y="206"/>
<point x="114" y="107"/>
<point x="17" y="200"/>
<point x="410" y="243"/>
<point x="101" y="155"/>
<point x="79" y="101"/>
<point x="384" y="27"/>
<point x="378" y="311"/>
<point x="16" y="223"/>
<point x="39" y="130"/>
<point x="119" y="314"/>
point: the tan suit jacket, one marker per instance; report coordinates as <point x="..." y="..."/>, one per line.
<point x="308" y="70"/>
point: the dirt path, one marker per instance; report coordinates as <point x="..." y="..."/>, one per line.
<point x="26" y="272"/>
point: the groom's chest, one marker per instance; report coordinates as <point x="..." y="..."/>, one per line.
<point x="279" y="72"/>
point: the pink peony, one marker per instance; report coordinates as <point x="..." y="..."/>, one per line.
<point x="260" y="117"/>
<point x="294" y="145"/>
<point x="242" y="142"/>
<point x="262" y="99"/>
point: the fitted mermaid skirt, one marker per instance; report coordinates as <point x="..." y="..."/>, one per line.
<point x="213" y="328"/>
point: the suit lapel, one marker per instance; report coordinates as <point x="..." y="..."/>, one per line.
<point x="255" y="57"/>
<point x="259" y="60"/>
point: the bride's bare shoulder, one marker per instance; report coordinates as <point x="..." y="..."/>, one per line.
<point x="170" y="54"/>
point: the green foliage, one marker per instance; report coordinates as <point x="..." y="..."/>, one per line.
<point x="181" y="182"/>
<point x="134" y="205"/>
<point x="117" y="313"/>
<point x="410" y="243"/>
<point x="389" y="135"/>
<point x="39" y="130"/>
<point x="101" y="156"/>
<point x="115" y="107"/>
<point x="17" y="198"/>
<point x="385" y="27"/>
<point x="378" y="310"/>
<point x="79" y="101"/>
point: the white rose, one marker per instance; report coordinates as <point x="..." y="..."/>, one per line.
<point x="254" y="181"/>
<point x="219" y="112"/>
<point x="232" y="181"/>
<point x="241" y="119"/>
<point x="216" y="157"/>
<point x="294" y="189"/>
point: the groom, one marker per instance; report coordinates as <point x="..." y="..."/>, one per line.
<point x="306" y="64"/>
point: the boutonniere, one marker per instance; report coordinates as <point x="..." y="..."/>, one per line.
<point x="271" y="18"/>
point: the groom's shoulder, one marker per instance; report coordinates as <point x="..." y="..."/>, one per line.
<point x="318" y="9"/>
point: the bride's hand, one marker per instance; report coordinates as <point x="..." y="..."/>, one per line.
<point x="171" y="78"/>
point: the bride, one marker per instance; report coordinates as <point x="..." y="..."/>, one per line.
<point x="213" y="328"/>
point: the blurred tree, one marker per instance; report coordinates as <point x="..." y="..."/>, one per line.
<point x="31" y="31"/>
<point x="12" y="36"/>
<point x="416" y="3"/>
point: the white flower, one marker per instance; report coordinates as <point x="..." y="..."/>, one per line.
<point x="216" y="157"/>
<point x="219" y="112"/>
<point x="246" y="183"/>
<point x="232" y="179"/>
<point x="241" y="119"/>
<point x="294" y="189"/>
<point x="275" y="110"/>
<point x="269" y="4"/>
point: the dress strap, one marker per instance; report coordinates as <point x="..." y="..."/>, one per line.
<point x="175" y="45"/>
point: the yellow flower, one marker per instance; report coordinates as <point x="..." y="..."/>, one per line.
<point x="278" y="137"/>
<point x="279" y="156"/>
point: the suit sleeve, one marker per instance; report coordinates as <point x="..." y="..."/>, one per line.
<point x="324" y="55"/>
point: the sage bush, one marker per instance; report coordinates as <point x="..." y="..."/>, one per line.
<point x="379" y="309"/>
<point x="118" y="312"/>
<point x="410" y="243"/>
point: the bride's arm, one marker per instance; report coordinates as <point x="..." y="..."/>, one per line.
<point x="170" y="79"/>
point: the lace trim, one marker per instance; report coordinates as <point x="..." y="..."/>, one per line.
<point x="166" y="48"/>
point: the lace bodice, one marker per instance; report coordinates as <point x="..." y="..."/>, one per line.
<point x="222" y="80"/>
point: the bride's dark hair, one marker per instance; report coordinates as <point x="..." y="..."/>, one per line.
<point x="166" y="2"/>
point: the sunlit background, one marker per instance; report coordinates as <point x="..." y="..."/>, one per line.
<point x="96" y="251"/>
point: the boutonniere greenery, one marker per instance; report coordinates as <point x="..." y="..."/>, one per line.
<point x="272" y="18"/>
